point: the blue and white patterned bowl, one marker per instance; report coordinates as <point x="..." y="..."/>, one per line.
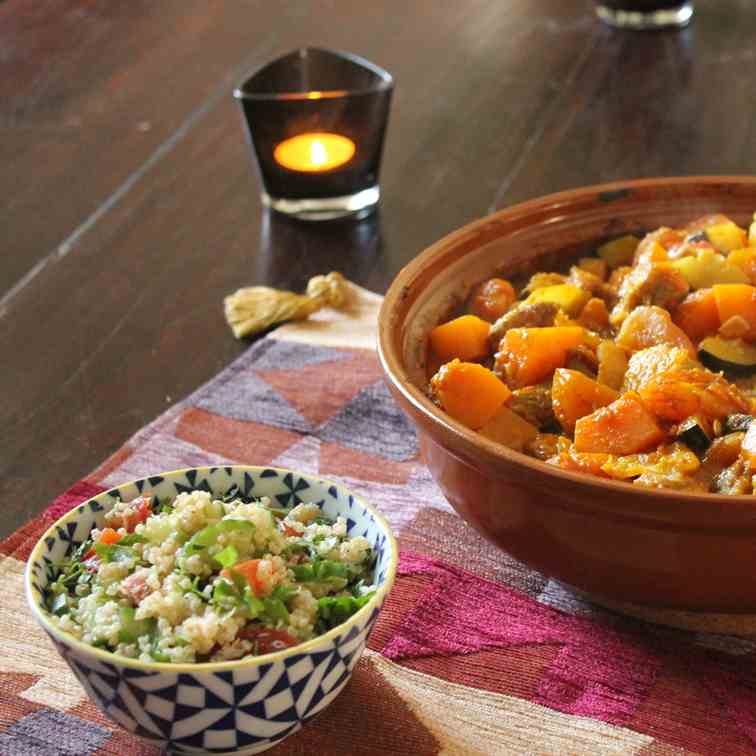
<point x="243" y="706"/>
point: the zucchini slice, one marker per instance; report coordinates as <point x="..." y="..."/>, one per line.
<point x="695" y="434"/>
<point x="730" y="355"/>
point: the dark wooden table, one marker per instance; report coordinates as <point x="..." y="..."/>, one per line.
<point x="130" y="207"/>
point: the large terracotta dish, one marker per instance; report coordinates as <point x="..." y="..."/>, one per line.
<point x="614" y="540"/>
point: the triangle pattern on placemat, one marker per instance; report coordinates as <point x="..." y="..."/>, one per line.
<point x="283" y="355"/>
<point x="342" y="380"/>
<point x="245" y="442"/>
<point x="337" y="461"/>
<point x="246" y="396"/>
<point x="374" y="424"/>
<point x="303" y="456"/>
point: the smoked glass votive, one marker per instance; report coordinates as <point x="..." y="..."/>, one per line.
<point x="316" y="120"/>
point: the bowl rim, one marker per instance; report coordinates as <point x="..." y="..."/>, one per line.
<point x="41" y="615"/>
<point x="700" y="509"/>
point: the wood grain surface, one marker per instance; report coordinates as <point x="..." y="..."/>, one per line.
<point x="129" y="204"/>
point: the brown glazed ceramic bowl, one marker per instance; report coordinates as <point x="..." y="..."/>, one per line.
<point x="613" y="540"/>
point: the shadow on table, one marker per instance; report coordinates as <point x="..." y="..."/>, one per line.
<point x="292" y="251"/>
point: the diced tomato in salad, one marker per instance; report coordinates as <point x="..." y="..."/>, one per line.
<point x="135" y="587"/>
<point x="267" y="641"/>
<point x="248" y="570"/>
<point x="140" y="510"/>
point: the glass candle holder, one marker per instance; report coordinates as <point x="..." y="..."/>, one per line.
<point x="316" y="120"/>
<point x="645" y="14"/>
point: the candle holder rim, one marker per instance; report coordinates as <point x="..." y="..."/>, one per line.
<point x="385" y="79"/>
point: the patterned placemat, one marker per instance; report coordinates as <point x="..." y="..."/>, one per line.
<point x="474" y="653"/>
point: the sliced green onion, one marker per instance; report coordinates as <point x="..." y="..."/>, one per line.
<point x="225" y="595"/>
<point x="255" y="606"/>
<point x="274" y="610"/>
<point x="228" y="557"/>
<point x="209" y="536"/>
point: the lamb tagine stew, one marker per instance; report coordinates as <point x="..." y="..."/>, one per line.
<point x="637" y="364"/>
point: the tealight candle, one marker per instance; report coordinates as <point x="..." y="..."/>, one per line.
<point x="314" y="152"/>
<point x="316" y="120"/>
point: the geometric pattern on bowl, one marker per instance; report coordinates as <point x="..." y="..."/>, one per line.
<point x="242" y="706"/>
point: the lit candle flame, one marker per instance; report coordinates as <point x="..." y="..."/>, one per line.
<point x="318" y="153"/>
<point x="314" y="152"/>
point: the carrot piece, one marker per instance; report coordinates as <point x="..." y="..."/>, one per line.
<point x="491" y="299"/>
<point x="736" y="299"/>
<point x="529" y="355"/>
<point x="650" y="325"/>
<point x="469" y="392"/>
<point x="465" y="338"/>
<point x="698" y="315"/>
<point x="624" y="427"/>
<point x="248" y="570"/>
<point x="574" y="395"/>
<point x="109" y="536"/>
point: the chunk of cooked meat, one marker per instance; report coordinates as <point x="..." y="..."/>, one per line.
<point x="618" y="276"/>
<point x="595" y="265"/>
<point x="654" y="246"/>
<point x="583" y="359"/>
<point x="547" y="445"/>
<point x="659" y="284"/>
<point x="647" y="363"/>
<point x="592" y="283"/>
<point x="537" y="315"/>
<point x="534" y="404"/>
<point x="595" y="317"/>
<point x="648" y="326"/>
<point x="723" y="452"/>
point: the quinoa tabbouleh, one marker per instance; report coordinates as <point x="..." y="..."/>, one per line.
<point x="204" y="578"/>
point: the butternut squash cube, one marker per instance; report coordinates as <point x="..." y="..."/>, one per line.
<point x="465" y="338"/>
<point x="574" y="395"/>
<point x="469" y="392"/>
<point x="736" y="299"/>
<point x="527" y="356"/>
<point x="625" y="426"/>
